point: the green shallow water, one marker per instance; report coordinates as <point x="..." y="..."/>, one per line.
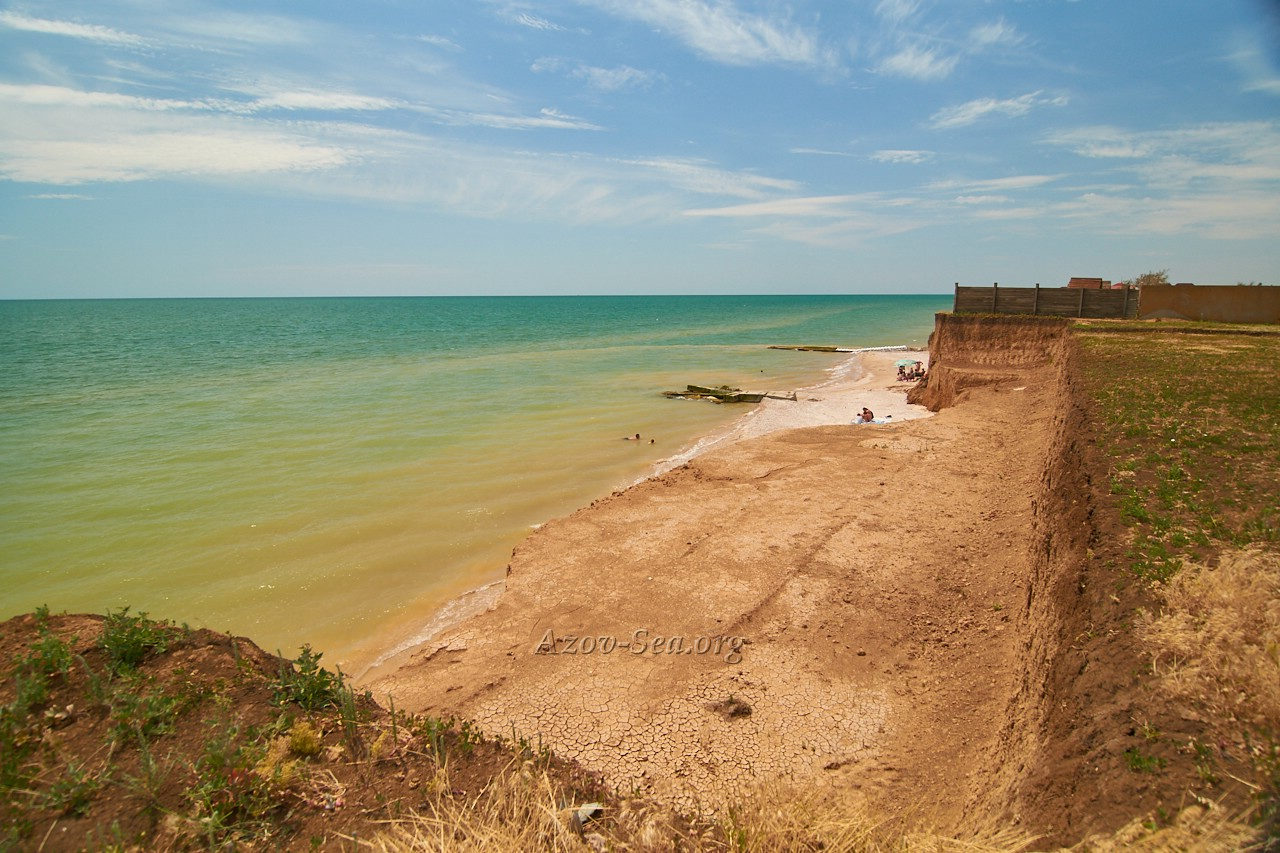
<point x="324" y="470"/>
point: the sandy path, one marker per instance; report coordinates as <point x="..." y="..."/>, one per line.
<point x="869" y="569"/>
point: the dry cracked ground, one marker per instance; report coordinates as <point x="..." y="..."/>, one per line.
<point x="869" y="571"/>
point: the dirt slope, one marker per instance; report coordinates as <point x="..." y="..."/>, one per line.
<point x="876" y="574"/>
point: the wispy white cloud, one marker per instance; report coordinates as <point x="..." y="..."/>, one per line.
<point x="721" y="32"/>
<point x="440" y="41"/>
<point x="852" y="229"/>
<point x="60" y="196"/>
<point x="1234" y="216"/>
<point x="969" y="112"/>
<point x="819" y="151"/>
<point x="902" y="155"/>
<point x="918" y="63"/>
<point x="71" y="29"/>
<point x="823" y="206"/>
<point x="63" y="96"/>
<point x="1219" y="180"/>
<point x="1012" y="182"/>
<point x="71" y="142"/>
<point x="832" y="221"/>
<point x="316" y="101"/>
<point x="1102" y="142"/>
<point x="994" y="33"/>
<point x="212" y="29"/>
<point x="200" y="151"/>
<point x="896" y="11"/>
<point x="982" y="199"/>
<point x="547" y="119"/>
<point x="323" y="101"/>
<point x="1224" y="143"/>
<point x="1251" y="61"/>
<point x="533" y="22"/>
<point x="704" y="178"/>
<point x="600" y="79"/>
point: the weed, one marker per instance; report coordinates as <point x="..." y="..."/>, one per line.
<point x="433" y="731"/>
<point x="151" y="778"/>
<point x="1204" y="763"/>
<point x="18" y="741"/>
<point x="47" y="656"/>
<point x="1266" y="762"/>
<point x="469" y="736"/>
<point x="308" y="684"/>
<point x="230" y="797"/>
<point x="137" y="715"/>
<point x="73" y="793"/>
<point x="128" y="640"/>
<point x="1139" y="763"/>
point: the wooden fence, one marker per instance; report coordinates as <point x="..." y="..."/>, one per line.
<point x="1051" y="301"/>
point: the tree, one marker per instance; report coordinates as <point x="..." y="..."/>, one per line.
<point x="1153" y="277"/>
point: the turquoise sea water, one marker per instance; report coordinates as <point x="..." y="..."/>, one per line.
<point x="324" y="470"/>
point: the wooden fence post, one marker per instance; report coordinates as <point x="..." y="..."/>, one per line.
<point x="1124" y="312"/>
<point x="995" y="290"/>
<point x="955" y="301"/>
<point x="1080" y="304"/>
<point x="1035" y="306"/>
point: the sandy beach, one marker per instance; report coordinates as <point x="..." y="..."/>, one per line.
<point x="820" y="580"/>
<point x="866" y="379"/>
<point x="839" y="620"/>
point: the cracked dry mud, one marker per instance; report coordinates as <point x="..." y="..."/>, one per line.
<point x="871" y="571"/>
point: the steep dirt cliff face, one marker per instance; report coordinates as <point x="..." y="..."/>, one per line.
<point x="971" y="351"/>
<point x="1081" y="703"/>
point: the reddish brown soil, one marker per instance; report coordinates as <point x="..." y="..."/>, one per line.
<point x="936" y="614"/>
<point x="349" y="790"/>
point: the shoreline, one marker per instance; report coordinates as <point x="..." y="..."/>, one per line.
<point x="830" y="605"/>
<point x="864" y="379"/>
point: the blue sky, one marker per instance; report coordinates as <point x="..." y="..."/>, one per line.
<point x="188" y="148"/>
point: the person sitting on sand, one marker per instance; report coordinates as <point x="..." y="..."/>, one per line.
<point x="867" y="415"/>
<point x="902" y="373"/>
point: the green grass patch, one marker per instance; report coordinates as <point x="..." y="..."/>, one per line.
<point x="1189" y="416"/>
<point x="129" y="639"/>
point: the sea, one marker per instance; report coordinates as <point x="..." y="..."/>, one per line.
<point x="331" y="471"/>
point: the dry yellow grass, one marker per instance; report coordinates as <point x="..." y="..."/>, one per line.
<point x="1194" y="828"/>
<point x="1216" y="646"/>
<point x="519" y="811"/>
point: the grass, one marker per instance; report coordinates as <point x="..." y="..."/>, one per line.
<point x="1140" y="763"/>
<point x="307" y="683"/>
<point x="1190" y="426"/>
<point x="128" y="640"/>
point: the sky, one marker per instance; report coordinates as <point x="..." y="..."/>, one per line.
<point x="386" y="147"/>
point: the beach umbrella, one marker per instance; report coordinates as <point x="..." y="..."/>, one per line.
<point x="903" y="362"/>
